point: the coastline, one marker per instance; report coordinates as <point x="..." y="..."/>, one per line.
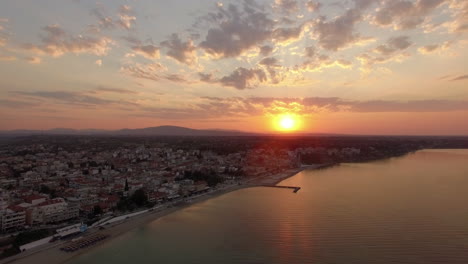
<point x="52" y="254"/>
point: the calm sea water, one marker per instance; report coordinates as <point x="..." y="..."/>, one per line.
<point x="412" y="209"/>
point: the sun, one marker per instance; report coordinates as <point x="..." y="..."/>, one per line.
<point x="286" y="122"/>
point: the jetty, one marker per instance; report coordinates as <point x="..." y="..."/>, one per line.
<point x="295" y="188"/>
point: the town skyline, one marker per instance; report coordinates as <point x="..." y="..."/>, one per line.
<point x="347" y="67"/>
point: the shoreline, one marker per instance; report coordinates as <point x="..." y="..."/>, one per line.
<point x="52" y="254"/>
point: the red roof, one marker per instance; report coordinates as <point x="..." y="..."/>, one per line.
<point x="16" y="208"/>
<point x="52" y="201"/>
<point x="33" y="197"/>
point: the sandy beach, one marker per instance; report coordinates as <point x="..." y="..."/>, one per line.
<point x="52" y="254"/>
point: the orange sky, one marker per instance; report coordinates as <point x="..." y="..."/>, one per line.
<point x="351" y="67"/>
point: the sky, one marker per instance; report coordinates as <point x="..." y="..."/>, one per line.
<point x="392" y="67"/>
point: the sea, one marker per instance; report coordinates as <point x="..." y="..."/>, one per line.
<point x="410" y="209"/>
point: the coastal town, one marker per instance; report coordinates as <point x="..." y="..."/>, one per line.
<point x="53" y="190"/>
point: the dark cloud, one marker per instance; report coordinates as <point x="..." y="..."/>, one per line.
<point x="57" y="42"/>
<point x="266" y="50"/>
<point x="206" y="77"/>
<point x="460" y="78"/>
<point x="239" y="29"/>
<point x="183" y="52"/>
<point x="71" y="98"/>
<point x="393" y="49"/>
<point x="269" y="62"/>
<point x="243" y="78"/>
<point x="405" y="14"/>
<point x="153" y="71"/>
<point x="113" y="90"/>
<point x="175" y="78"/>
<point x="148" y="51"/>
<point x="286" y="34"/>
<point x="310" y="52"/>
<point x="132" y="40"/>
<point x="338" y="33"/>
<point x="394" y="44"/>
<point x="429" y="48"/>
<point x="7" y="103"/>
<point x="145" y="71"/>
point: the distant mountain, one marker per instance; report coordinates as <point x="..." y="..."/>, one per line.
<point x="149" y="131"/>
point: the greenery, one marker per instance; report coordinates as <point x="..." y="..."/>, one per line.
<point x="139" y="197"/>
<point x="25" y="238"/>
<point x="46" y="190"/>
<point x="97" y="210"/>
<point x="211" y="177"/>
<point x="137" y="200"/>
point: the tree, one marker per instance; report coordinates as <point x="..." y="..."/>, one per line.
<point x="126" y="185"/>
<point x="139" y="197"/>
<point x="97" y="210"/>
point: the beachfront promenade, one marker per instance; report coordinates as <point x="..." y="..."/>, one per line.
<point x="50" y="253"/>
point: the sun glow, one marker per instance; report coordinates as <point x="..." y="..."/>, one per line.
<point x="287" y="122"/>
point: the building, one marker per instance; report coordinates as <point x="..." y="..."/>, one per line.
<point x="13" y="218"/>
<point x="51" y="211"/>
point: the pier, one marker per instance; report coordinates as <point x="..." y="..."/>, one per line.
<point x="295" y="188"/>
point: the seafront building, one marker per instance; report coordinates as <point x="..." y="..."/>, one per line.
<point x="43" y="185"/>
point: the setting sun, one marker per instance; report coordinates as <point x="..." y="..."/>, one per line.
<point x="287" y="122"/>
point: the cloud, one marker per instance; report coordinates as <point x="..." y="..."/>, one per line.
<point x="153" y="71"/>
<point x="403" y="14"/>
<point x="34" y="60"/>
<point x="392" y="50"/>
<point x="316" y="62"/>
<point x="434" y="47"/>
<point x="313" y="6"/>
<point x="237" y="30"/>
<point x="105" y="89"/>
<point x="7" y="58"/>
<point x="394" y="44"/>
<point x="310" y="52"/>
<point x="126" y="17"/>
<point x="57" y="42"/>
<point x="460" y="16"/>
<point x="338" y="33"/>
<point x="243" y="78"/>
<point x="72" y="98"/>
<point x="183" y="52"/>
<point x="286" y="6"/>
<point x="7" y="103"/>
<point x="286" y="35"/>
<point x="98" y="63"/>
<point x="4" y="36"/>
<point x="460" y="78"/>
<point x="216" y="107"/>
<point x="269" y="62"/>
<point x="266" y="50"/>
<point x="144" y="71"/>
<point x="147" y="51"/>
